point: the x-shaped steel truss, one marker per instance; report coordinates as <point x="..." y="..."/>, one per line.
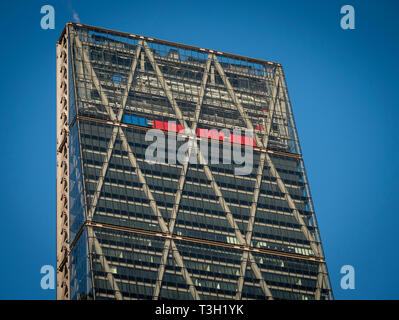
<point x="309" y="236"/>
<point x="125" y="145"/>
<point x="168" y="228"/>
<point x="207" y="171"/>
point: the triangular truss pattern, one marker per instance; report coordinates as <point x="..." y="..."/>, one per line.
<point x="208" y="172"/>
<point x="118" y="131"/>
<point x="264" y="144"/>
<point x="115" y="109"/>
<point x="171" y="286"/>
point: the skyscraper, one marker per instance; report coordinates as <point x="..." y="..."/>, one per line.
<point x="187" y="228"/>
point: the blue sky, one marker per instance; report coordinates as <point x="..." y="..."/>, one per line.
<point x="343" y="89"/>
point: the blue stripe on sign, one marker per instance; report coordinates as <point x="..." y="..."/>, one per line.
<point x="127" y="118"/>
<point x="138" y="121"/>
<point x="142" y="122"/>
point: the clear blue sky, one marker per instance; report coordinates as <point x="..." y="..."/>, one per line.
<point x="343" y="86"/>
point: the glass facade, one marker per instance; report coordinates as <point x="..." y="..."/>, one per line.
<point x="130" y="228"/>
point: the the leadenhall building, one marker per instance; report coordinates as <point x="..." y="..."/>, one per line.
<point x="179" y="175"/>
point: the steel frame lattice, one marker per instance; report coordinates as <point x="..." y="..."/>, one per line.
<point x="278" y="101"/>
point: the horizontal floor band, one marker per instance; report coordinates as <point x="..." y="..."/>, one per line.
<point x="194" y="240"/>
<point x="125" y="125"/>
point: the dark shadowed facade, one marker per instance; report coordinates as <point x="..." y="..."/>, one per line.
<point x="128" y="228"/>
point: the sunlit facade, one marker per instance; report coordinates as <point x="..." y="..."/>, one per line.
<point x="128" y="228"/>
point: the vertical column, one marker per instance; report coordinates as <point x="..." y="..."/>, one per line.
<point x="62" y="171"/>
